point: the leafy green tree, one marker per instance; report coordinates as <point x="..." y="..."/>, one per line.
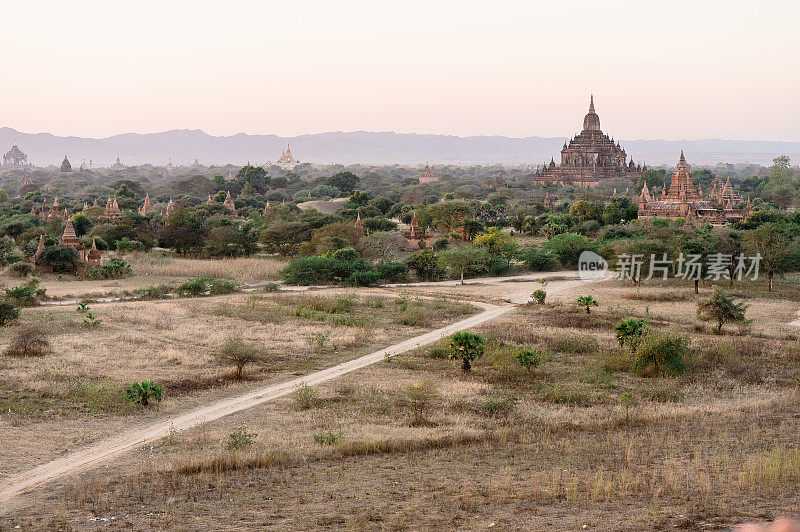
<point x="81" y="223"/>
<point x="448" y="216"/>
<point x="61" y="258"/>
<point x="284" y="238"/>
<point x="721" y="309"/>
<point x="586" y="210"/>
<point x="568" y="247"/>
<point x="466" y="347"/>
<point x="462" y="259"/>
<point x="661" y="352"/>
<point x="144" y="392"/>
<point x="425" y="264"/>
<point x="629" y="331"/>
<point x="771" y="241"/>
<point x="587" y="302"/>
<point x="344" y="181"/>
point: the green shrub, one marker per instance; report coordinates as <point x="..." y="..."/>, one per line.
<point x="11" y="257"/>
<point x="320" y="270"/>
<point x="661" y="352"/>
<point x="205" y="285"/>
<point x="20" y="269"/>
<point x="539" y="261"/>
<point x="25" y="295"/>
<point x="240" y="439"/>
<point x="539" y="296"/>
<point x="8" y="313"/>
<point x="721" y="309"/>
<point x="392" y="272"/>
<point x="116" y="269"/>
<point x="328" y="438"/>
<point x="629" y="331"/>
<point x="575" y="343"/>
<point x="143" y="392"/>
<point x="367" y="278"/>
<point x="154" y="292"/>
<point x="568" y="247"/>
<point x="528" y="358"/>
<point x="126" y="244"/>
<point x="306" y="397"/>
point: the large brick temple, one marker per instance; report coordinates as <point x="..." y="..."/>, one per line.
<point x="591" y="157"/>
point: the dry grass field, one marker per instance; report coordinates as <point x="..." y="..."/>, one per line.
<point x="579" y="442"/>
<point x="76" y="394"/>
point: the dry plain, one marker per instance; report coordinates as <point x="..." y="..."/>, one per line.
<point x="413" y="442"/>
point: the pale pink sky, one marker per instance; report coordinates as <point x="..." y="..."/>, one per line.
<point x="668" y="70"/>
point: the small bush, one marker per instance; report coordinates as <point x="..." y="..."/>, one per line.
<point x="539" y="261"/>
<point x="306" y="397"/>
<point x="528" y="358"/>
<point x="20" y="269"/>
<point x="205" y="285"/>
<point x="154" y="292"/>
<point x="498" y="404"/>
<point x="8" y="313"/>
<point x="328" y="438"/>
<point x="240" y="439"/>
<point x="363" y="278"/>
<point x="28" y="342"/>
<point x="116" y="269"/>
<point x="662" y="352"/>
<point x="143" y="392"/>
<point x="417" y="398"/>
<point x="539" y="296"/>
<point x="392" y="272"/>
<point x="25" y="295"/>
<point x="575" y="343"/>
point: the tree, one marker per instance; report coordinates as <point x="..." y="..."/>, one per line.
<point x="587" y="301"/>
<point x="144" y="392"/>
<point x="448" y="216"/>
<point x="344" y="181"/>
<point x="721" y="309"/>
<point x="661" y="352"/>
<point x="425" y="264"/>
<point x="586" y="210"/>
<point x="237" y="353"/>
<point x="81" y="223"/>
<point x="629" y="331"/>
<point x="284" y="238"/>
<point x="461" y="259"/>
<point x="61" y="258"/>
<point x="467" y="347"/>
<point x="497" y="243"/>
<point x="772" y="242"/>
<point x="568" y="247"/>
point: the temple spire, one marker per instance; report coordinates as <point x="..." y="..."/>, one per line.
<point x="591" y="103"/>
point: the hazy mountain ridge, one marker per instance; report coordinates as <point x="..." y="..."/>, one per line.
<point x="183" y="146"/>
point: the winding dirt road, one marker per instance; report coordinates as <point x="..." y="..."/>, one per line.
<point x="108" y="448"/>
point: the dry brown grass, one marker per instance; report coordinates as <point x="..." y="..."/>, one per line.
<point x="244" y="269"/>
<point x="704" y="451"/>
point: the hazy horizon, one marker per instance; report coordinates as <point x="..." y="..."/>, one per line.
<point x="678" y="71"/>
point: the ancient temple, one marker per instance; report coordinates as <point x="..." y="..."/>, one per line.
<point x="286" y="158"/>
<point x="589" y="158"/>
<point x="25" y="181"/>
<point x="169" y="210"/>
<point x="499" y="182"/>
<point x="66" y="167"/>
<point x="684" y="200"/>
<point x="414" y="234"/>
<point x="112" y="212"/>
<point x="15" y="158"/>
<point x="145" y="206"/>
<point x="228" y="204"/>
<point x="428" y="175"/>
<point x="359" y="225"/>
<point x="117" y="165"/>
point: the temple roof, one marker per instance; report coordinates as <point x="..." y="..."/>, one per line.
<point x="591" y="122"/>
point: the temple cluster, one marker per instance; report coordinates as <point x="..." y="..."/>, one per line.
<point x="684" y="200"/>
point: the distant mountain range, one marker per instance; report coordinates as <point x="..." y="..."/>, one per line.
<point x="183" y="146"/>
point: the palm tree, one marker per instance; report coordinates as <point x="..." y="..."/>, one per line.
<point x="587" y="301"/>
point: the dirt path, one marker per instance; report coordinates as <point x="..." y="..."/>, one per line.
<point x="112" y="447"/>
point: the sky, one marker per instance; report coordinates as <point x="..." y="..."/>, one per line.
<point x="658" y="70"/>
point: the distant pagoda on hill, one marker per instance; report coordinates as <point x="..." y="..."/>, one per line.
<point x="590" y="158"/>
